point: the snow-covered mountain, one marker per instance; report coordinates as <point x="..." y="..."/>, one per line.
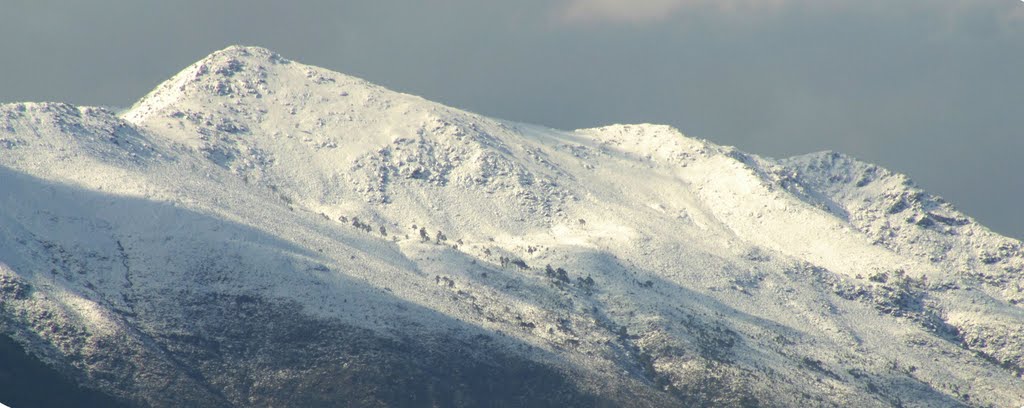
<point x="259" y="232"/>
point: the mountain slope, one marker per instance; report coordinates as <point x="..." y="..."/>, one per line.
<point x="260" y="232"/>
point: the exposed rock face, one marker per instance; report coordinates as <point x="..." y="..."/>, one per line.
<point x="258" y="232"/>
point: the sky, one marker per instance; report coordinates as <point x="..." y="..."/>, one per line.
<point x="931" y="88"/>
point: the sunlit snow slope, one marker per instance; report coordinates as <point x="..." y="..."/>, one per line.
<point x="259" y="232"/>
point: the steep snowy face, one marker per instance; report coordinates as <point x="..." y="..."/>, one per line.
<point x="257" y="231"/>
<point x="898" y="215"/>
<point x="232" y="72"/>
<point x="89" y="131"/>
<point x="326" y="140"/>
<point x="231" y="102"/>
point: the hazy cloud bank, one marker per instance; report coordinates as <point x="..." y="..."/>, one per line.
<point x="1009" y="12"/>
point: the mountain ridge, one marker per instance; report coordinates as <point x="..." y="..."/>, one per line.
<point x="234" y="224"/>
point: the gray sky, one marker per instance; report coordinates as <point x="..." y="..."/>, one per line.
<point x="932" y="88"/>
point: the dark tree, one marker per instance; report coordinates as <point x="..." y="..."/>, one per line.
<point x="562" y="275"/>
<point x="586" y="284"/>
<point x="556" y="274"/>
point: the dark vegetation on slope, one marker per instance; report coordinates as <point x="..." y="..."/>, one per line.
<point x="256" y="352"/>
<point x="26" y="382"/>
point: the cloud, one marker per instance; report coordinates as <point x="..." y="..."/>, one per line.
<point x="642" y="11"/>
<point x="1010" y="14"/>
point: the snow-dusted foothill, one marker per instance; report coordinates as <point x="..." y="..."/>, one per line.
<point x="259" y="232"/>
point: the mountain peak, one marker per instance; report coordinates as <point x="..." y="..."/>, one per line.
<point x="235" y="73"/>
<point x="254" y="82"/>
<point x="238" y="50"/>
<point x="648" y="140"/>
<point x="257" y="216"/>
<point x="829" y="169"/>
<point x="237" y="58"/>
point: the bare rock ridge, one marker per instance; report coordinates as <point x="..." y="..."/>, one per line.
<point x="259" y="232"/>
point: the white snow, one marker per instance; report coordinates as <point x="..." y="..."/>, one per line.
<point x="246" y="161"/>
